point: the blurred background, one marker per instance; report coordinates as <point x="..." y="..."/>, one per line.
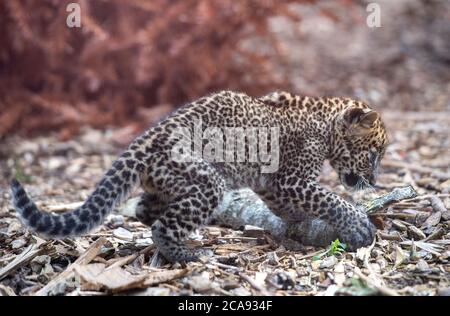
<point x="133" y="61"/>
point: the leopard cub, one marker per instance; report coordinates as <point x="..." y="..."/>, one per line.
<point x="275" y="144"/>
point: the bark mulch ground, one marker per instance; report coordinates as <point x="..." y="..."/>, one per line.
<point x="409" y="257"/>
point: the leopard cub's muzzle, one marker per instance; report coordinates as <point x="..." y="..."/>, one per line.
<point x="353" y="181"/>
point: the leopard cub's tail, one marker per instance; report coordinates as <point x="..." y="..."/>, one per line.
<point x="113" y="188"/>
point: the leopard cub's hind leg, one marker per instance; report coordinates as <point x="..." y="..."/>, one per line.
<point x="150" y="207"/>
<point x="194" y="190"/>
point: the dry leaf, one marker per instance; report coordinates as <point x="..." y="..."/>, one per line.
<point x="95" y="277"/>
<point x="430" y="247"/>
<point x="400" y="256"/>
<point x="339" y="274"/>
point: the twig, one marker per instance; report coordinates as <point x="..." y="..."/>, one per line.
<point x="84" y="259"/>
<point x="27" y="255"/>
<point x="308" y="255"/>
<point x="427" y="197"/>
<point x="254" y="249"/>
<point x="217" y="268"/>
<point x="238" y="238"/>
<point x="130" y="258"/>
<point x="225" y="266"/>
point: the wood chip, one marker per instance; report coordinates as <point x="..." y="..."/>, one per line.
<point x="84" y="259"/>
<point x="415" y="233"/>
<point x="399" y="225"/>
<point x="165" y="276"/>
<point x="437" y="205"/>
<point x="432" y="220"/>
<point x="253" y="231"/>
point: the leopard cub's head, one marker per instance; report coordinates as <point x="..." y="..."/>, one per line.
<point x="358" y="144"/>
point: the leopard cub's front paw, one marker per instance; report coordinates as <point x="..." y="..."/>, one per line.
<point x="360" y="232"/>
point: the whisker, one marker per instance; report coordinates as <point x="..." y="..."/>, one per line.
<point x="363" y="184"/>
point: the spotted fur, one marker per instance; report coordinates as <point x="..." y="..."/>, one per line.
<point x="180" y="196"/>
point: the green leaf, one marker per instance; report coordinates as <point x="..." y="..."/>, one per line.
<point x="336" y="247"/>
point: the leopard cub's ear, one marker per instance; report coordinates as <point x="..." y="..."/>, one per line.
<point x="359" y="121"/>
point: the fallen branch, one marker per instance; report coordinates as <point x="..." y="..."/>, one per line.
<point x="385" y="200"/>
<point x="243" y="207"/>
